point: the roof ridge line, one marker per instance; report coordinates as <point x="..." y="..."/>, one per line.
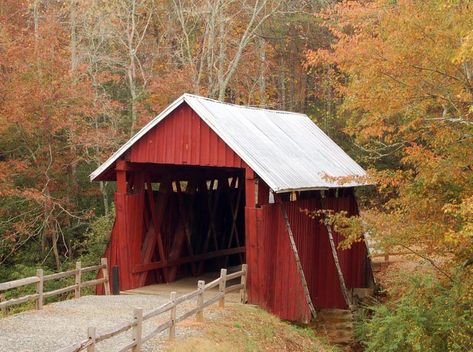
<point x="248" y="107"/>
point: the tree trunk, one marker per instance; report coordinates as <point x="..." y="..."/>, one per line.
<point x="132" y="102"/>
<point x="74" y="64"/>
<point x="262" y="72"/>
<point x="55" y="239"/>
<point x="36" y="5"/>
<point x="131" y="71"/>
<point x="282" y="84"/>
<point x="103" y="190"/>
<point x="221" y="55"/>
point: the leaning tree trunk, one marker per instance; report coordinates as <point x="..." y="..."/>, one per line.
<point x="298" y="262"/>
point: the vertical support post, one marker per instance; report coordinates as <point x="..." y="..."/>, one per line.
<point x="200" y="301"/>
<point x="40" y="289"/>
<point x="2" y="299"/>
<point x="172" y="329"/>
<point x="256" y="192"/>
<point x="91" y="335"/>
<point x="244" y="268"/>
<point x="386" y="256"/>
<point x="115" y="280"/>
<point x="250" y="188"/>
<point x="221" y="287"/>
<point x="137" y="329"/>
<point x="121" y="171"/>
<point x="78" y="279"/>
<point x="106" y="284"/>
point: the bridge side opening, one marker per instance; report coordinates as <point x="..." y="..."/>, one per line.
<point x="177" y="221"/>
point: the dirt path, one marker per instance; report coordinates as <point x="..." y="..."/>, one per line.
<point x="63" y="323"/>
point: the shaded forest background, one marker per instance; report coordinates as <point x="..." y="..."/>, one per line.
<point x="390" y="81"/>
<point x="80" y="77"/>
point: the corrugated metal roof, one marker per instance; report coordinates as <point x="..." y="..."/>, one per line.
<point x="287" y="150"/>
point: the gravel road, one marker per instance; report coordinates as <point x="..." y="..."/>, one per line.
<point x="64" y="323"/>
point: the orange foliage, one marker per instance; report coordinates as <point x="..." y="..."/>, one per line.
<point x="45" y="128"/>
<point x="404" y="71"/>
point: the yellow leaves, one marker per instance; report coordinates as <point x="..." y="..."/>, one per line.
<point x="416" y="154"/>
<point x="465" y="52"/>
<point x="345" y="180"/>
<point x="403" y="88"/>
<point x="388" y="179"/>
<point x="460" y="236"/>
<point x="397" y="56"/>
<point x="463" y="212"/>
<point x="350" y="227"/>
<point x="316" y="57"/>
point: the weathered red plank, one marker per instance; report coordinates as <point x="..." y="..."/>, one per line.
<point x="184" y="139"/>
<point x="275" y="270"/>
<point x="171" y="150"/>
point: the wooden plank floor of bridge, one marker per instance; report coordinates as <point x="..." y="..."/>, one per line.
<point x="186" y="285"/>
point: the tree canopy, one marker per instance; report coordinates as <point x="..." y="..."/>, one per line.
<point x="390" y="80"/>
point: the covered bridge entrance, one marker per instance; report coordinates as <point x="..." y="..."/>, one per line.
<point x="207" y="185"/>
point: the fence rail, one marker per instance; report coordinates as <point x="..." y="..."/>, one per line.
<point x="40" y="279"/>
<point x="170" y="307"/>
<point x="386" y="254"/>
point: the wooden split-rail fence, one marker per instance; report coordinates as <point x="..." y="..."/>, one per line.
<point x="93" y="337"/>
<point x="39" y="280"/>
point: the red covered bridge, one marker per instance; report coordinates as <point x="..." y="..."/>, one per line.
<point x="207" y="185"/>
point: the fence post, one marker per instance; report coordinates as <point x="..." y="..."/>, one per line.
<point x="221" y="287"/>
<point x="106" y="284"/>
<point x="40" y="288"/>
<point x="137" y="329"/>
<point x="200" y="301"/>
<point x="78" y="280"/>
<point x="91" y="335"/>
<point x="172" y="329"/>
<point x="115" y="280"/>
<point x="244" y="268"/>
<point x="2" y="299"/>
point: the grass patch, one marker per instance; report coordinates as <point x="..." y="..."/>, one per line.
<point x="248" y="328"/>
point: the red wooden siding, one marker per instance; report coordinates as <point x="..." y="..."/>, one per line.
<point x="129" y="210"/>
<point x="274" y="282"/>
<point x="314" y="249"/>
<point x="124" y="247"/>
<point x="183" y="138"/>
<point x="183" y="148"/>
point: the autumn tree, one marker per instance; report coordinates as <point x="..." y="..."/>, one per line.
<point x="80" y="77"/>
<point x="45" y="132"/>
<point x="402" y="71"/>
<point x="211" y="39"/>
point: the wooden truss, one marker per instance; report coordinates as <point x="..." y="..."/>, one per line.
<point x="188" y="221"/>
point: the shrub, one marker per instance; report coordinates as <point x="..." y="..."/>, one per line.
<point x="92" y="247"/>
<point x="428" y="316"/>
